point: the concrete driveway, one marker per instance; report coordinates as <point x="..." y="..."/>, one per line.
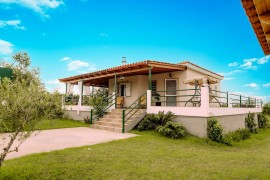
<point x="49" y="140"/>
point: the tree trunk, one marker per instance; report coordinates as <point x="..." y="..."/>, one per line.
<point x="6" y="150"/>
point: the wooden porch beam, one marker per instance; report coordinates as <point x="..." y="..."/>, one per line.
<point x="112" y="74"/>
<point x="265" y="18"/>
<point x="177" y="68"/>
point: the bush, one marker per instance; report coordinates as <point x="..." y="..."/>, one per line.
<point x="214" y="130"/>
<point x="161" y="118"/>
<point x="148" y="123"/>
<point x="250" y="123"/>
<point x="87" y="120"/>
<point x="172" y="130"/>
<point x="236" y="136"/>
<point x="152" y="121"/>
<point x="266" y="109"/>
<point x="262" y="120"/>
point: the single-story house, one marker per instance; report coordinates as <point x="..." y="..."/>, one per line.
<point x="191" y="92"/>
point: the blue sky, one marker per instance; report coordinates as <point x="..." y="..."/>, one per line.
<point x="68" y="37"/>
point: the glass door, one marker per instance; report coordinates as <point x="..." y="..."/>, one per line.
<point x="170" y="88"/>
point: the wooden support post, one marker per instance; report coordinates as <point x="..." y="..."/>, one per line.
<point x="150" y="78"/>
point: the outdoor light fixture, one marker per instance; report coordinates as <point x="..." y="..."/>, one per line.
<point x="122" y="78"/>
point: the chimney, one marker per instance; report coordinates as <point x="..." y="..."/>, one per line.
<point x="124" y="61"/>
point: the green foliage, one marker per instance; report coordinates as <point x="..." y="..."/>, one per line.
<point x="24" y="102"/>
<point x="172" y="130"/>
<point x="99" y="102"/>
<point x="250" y="123"/>
<point x="163" y="124"/>
<point x="214" y="130"/>
<point x="266" y="109"/>
<point x="262" y="120"/>
<point x="162" y="118"/>
<point x="152" y="121"/>
<point x="236" y="136"/>
<point x="148" y="123"/>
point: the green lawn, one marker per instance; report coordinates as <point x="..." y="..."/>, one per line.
<point x="149" y="156"/>
<point x="61" y="123"/>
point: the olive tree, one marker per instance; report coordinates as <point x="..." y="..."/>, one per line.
<point x="24" y="103"/>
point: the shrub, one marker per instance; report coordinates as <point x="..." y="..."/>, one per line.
<point x="262" y="120"/>
<point x="236" y="136"/>
<point x="266" y="109"/>
<point x="214" y="129"/>
<point x="148" y="123"/>
<point x="250" y="123"/>
<point x="162" y="118"/>
<point x="172" y="130"/>
<point x="87" y="120"/>
<point x="152" y="121"/>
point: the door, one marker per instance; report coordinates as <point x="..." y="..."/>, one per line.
<point x="170" y="88"/>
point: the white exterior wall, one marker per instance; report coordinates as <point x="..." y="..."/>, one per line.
<point x="139" y="85"/>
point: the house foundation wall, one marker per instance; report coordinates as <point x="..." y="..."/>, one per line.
<point x="197" y="126"/>
<point x="72" y="114"/>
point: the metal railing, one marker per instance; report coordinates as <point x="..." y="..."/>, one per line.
<point x="71" y="100"/>
<point x="219" y="97"/>
<point x="226" y="99"/>
<point x="181" y="97"/>
<point x="100" y="109"/>
<point x="140" y="103"/>
<point x="243" y="101"/>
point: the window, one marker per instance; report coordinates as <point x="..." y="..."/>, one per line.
<point x="124" y="89"/>
<point x="170" y="87"/>
<point x="154" y="88"/>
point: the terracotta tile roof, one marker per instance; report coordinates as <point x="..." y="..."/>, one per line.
<point x="258" y="12"/>
<point x="187" y="62"/>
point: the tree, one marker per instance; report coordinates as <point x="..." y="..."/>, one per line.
<point x="24" y="103"/>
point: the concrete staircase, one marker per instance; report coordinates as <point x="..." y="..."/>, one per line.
<point x="112" y="121"/>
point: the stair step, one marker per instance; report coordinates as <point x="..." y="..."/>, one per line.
<point x="108" y="128"/>
<point x="111" y="124"/>
<point x="113" y="120"/>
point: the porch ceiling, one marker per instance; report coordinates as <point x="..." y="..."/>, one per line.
<point x="258" y="12"/>
<point x="101" y="78"/>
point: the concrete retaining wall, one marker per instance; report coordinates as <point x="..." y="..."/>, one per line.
<point x="71" y="114"/>
<point x="197" y="126"/>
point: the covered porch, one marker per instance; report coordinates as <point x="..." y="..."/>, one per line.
<point x="124" y="84"/>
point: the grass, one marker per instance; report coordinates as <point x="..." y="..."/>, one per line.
<point x="60" y="123"/>
<point x="149" y="156"/>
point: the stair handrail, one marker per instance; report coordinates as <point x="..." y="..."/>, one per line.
<point x="131" y="108"/>
<point x="111" y="101"/>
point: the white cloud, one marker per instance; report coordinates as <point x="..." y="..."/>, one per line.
<point x="248" y="64"/>
<point x="5" y="47"/>
<point x="263" y="60"/>
<point x="13" y="23"/>
<point x="230" y="73"/>
<point x="103" y="34"/>
<point x="92" y="67"/>
<point x="227" y="79"/>
<point x="54" y="82"/>
<point x="252" y="85"/>
<point x="39" y="6"/>
<point x="266" y="85"/>
<point x="234" y="64"/>
<point x="76" y="65"/>
<point x="55" y="85"/>
<point x="65" y="59"/>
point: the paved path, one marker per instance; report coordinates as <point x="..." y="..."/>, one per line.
<point x="49" y="140"/>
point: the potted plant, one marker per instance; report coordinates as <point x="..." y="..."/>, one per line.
<point x="157" y="98"/>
